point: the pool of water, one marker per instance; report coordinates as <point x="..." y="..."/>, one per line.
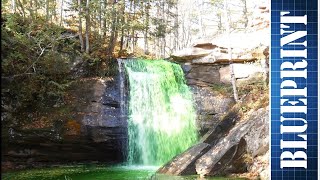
<point x="96" y="173"/>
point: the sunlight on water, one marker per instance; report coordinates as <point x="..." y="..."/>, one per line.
<point x="138" y="167"/>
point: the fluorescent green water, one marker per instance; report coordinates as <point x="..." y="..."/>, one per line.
<point x="95" y="173"/>
<point x="161" y="113"/>
<point x="83" y="173"/>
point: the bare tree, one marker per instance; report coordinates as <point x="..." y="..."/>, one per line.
<point x="22" y="9"/>
<point x="114" y="31"/>
<point x="47" y="10"/>
<point x="13" y="6"/>
<point x="87" y="26"/>
<point x="80" y="25"/>
<point x="61" y="12"/>
<point x="146" y="27"/>
<point x="245" y="13"/>
<point x="233" y="79"/>
<point x="123" y="22"/>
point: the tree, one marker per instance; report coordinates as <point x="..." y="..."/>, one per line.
<point x="87" y="26"/>
<point x="80" y="25"/>
<point x="13" y="6"/>
<point x="22" y="9"/>
<point x="146" y="26"/>
<point x="114" y="32"/>
<point x="123" y="25"/>
<point x="47" y="9"/>
<point x="245" y="13"/>
<point x="227" y="24"/>
<point x="61" y="12"/>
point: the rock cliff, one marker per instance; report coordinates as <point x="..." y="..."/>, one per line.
<point x="235" y="136"/>
<point x="87" y="128"/>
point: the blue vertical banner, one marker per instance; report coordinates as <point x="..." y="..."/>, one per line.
<point x="294" y="89"/>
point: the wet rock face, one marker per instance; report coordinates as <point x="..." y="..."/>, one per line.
<point x="224" y="149"/>
<point x="234" y="145"/>
<point x="258" y="136"/>
<point x="210" y="107"/>
<point x="206" y="75"/>
<point x="206" y="80"/>
<point x="87" y="128"/>
<point x="100" y="118"/>
<point x="202" y="75"/>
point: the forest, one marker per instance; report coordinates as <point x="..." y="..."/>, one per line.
<point x="41" y="39"/>
<point x="79" y="75"/>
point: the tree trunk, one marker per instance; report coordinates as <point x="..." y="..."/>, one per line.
<point x="233" y="80"/>
<point x="61" y="13"/>
<point x="100" y="18"/>
<point x="122" y="39"/>
<point x="164" y="14"/>
<point x="104" y="20"/>
<point x="36" y="8"/>
<point x="200" y="20"/>
<point x="245" y="13"/>
<point x="80" y="26"/>
<point x="176" y="31"/>
<point x="22" y="9"/>
<point x="53" y="11"/>
<point x="146" y="31"/>
<point x="87" y="27"/>
<point x="219" y="22"/>
<point x="47" y="10"/>
<point x="31" y="10"/>
<point x="114" y="32"/>
<point x="122" y="24"/>
<point x="133" y="29"/>
<point x="13" y="6"/>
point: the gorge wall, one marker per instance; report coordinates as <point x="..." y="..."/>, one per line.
<point x="235" y="137"/>
<point x="87" y="128"/>
<point x="90" y="128"/>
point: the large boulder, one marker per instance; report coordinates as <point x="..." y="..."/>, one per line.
<point x="203" y="54"/>
<point x="207" y="75"/>
<point x="241" y="71"/>
<point x="244" y="48"/>
<point x="220" y="56"/>
<point x="225" y="149"/>
<point x="258" y="136"/>
<point x="205" y="45"/>
<point x="189" y="54"/>
<point x="202" y="75"/>
<point x="223" y="157"/>
<point x="184" y="164"/>
<point x="259" y="167"/>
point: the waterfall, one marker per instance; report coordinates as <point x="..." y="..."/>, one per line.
<point x="161" y="115"/>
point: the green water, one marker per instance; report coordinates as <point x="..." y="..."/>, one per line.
<point x="95" y="173"/>
<point x="161" y="121"/>
<point x="83" y="173"/>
